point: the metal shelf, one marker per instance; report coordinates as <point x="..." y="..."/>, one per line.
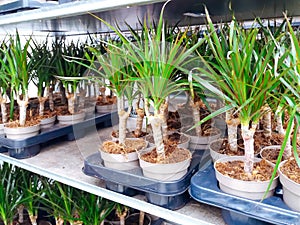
<point x="63" y="162"/>
<point x="72" y="18"/>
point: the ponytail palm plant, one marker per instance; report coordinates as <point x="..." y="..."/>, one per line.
<point x="4" y="83"/>
<point x="241" y="75"/>
<point x="41" y="55"/>
<point x="16" y="66"/>
<point x="68" y="71"/>
<point x="156" y="63"/>
<point x="114" y="68"/>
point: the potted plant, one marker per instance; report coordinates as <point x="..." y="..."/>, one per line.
<point x="4" y="83"/>
<point x="16" y="65"/>
<point x="156" y="63"/>
<point x="241" y="76"/>
<point x="114" y="68"/>
<point x="43" y="79"/>
<point x="289" y="169"/>
<point x="67" y="72"/>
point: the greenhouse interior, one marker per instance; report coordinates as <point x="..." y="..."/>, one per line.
<point x="149" y="112"/>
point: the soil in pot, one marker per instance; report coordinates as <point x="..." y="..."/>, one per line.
<point x="131" y="145"/>
<point x="271" y="154"/>
<point x="290" y="180"/>
<point x="174" y="138"/>
<point x="129" y="134"/>
<point x="172" y="155"/>
<point x="262" y="170"/>
<point x="291" y="170"/>
<point x="109" y="100"/>
<point x="261" y="140"/>
<point x="173" y="121"/>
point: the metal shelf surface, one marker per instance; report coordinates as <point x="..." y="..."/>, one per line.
<point x="63" y="161"/>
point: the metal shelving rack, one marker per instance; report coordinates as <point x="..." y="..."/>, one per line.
<point x="73" y="18"/>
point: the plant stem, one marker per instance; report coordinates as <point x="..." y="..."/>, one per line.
<point x="196" y="114"/>
<point x="42" y="101"/>
<point x="232" y="124"/>
<point x="3" y="100"/>
<point x="123" y="117"/>
<point x="278" y="118"/>
<point x="267" y="121"/>
<point x="51" y="101"/>
<point x="288" y="148"/>
<point x="22" y="108"/>
<point x="71" y="102"/>
<point x="164" y="116"/>
<point x="139" y="121"/>
<point x="248" y="138"/>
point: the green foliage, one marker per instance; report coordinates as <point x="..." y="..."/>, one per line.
<point x="16" y="67"/>
<point x="42" y="65"/>
<point x="10" y="194"/>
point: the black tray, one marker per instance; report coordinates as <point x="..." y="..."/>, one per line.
<point x="168" y="194"/>
<point x="236" y="210"/>
<point x="31" y="146"/>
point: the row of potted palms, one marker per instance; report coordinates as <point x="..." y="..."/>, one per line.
<point x="253" y="71"/>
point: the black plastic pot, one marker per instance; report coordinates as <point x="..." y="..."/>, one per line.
<point x="29" y="147"/>
<point x="169" y="194"/>
<point x="240" y="211"/>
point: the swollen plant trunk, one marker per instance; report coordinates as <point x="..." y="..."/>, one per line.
<point x="63" y="92"/>
<point x="103" y="95"/>
<point x="156" y="124"/>
<point x="71" y="102"/>
<point x="248" y="138"/>
<point x="232" y="125"/>
<point x="196" y="115"/>
<point x="42" y="101"/>
<point x="51" y="100"/>
<point x="3" y="100"/>
<point x="267" y="121"/>
<point x="164" y="117"/>
<point x="81" y="101"/>
<point x="278" y="119"/>
<point x="139" y="122"/>
<point x="60" y="221"/>
<point x="288" y="148"/>
<point x="123" y="117"/>
<point x="22" y="108"/>
<point x="33" y="219"/>
<point x="20" y="210"/>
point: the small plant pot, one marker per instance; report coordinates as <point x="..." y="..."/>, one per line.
<point x="164" y="172"/>
<point x="133" y="219"/>
<point x="71" y="119"/>
<point x="106" y="108"/>
<point x="120" y="161"/>
<point x="90" y="110"/>
<point x="19" y="133"/>
<point x="264" y="153"/>
<point x="247" y="189"/>
<point x="201" y="142"/>
<point x="184" y="141"/>
<point x="47" y="122"/>
<point x="127" y="161"/>
<point x="291" y="190"/>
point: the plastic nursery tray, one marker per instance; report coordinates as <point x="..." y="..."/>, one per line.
<point x="169" y="194"/>
<point x="31" y="146"/>
<point x="240" y="211"/>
